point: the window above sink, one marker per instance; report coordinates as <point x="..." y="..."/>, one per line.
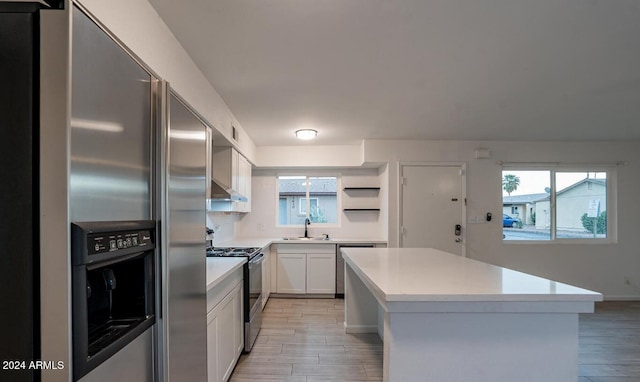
<point x="303" y="197"/>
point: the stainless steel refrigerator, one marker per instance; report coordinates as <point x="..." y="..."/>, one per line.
<point x="77" y="131"/>
<point x="113" y="126"/>
<point x="183" y="221"/>
<point x="138" y="151"/>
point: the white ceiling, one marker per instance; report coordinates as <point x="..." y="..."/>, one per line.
<point x="564" y="70"/>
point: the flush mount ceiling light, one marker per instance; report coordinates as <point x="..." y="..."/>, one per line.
<point x="306" y="134"/>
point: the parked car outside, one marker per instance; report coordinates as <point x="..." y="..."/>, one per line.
<point x="508" y="221"/>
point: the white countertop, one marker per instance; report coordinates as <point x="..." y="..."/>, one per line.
<point x="259" y="242"/>
<point x="263" y="242"/>
<point x="220" y="267"/>
<point x="425" y="274"/>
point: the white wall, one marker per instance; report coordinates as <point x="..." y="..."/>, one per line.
<point x="600" y="267"/>
<point x="305" y="155"/>
<point x="224" y="226"/>
<point x="138" y="26"/>
<point x="261" y="222"/>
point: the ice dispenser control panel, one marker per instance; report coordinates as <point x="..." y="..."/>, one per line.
<point x="110" y="242"/>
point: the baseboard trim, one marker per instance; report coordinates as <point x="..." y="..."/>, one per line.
<point x="353" y="329"/>
<point x="621" y="298"/>
<point x="295" y="295"/>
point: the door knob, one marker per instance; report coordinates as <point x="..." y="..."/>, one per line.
<point x="458" y="240"/>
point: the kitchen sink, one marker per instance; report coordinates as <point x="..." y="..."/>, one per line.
<point x="302" y="238"/>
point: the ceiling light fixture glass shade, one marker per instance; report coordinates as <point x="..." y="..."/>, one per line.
<point x="306" y="134"/>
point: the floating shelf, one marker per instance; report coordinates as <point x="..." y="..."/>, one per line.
<point x="361" y="188"/>
<point x="359" y="195"/>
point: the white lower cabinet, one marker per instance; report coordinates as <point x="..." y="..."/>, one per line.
<point x="212" y="347"/>
<point x="225" y="327"/>
<point x="321" y="273"/>
<point x="274" y="270"/>
<point x="266" y="276"/>
<point x="306" y="269"/>
<point x="292" y="269"/>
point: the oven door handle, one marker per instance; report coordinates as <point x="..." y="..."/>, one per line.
<point x="257" y="259"/>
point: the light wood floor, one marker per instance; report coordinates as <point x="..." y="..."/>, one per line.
<point x="303" y="340"/>
<point x="610" y="343"/>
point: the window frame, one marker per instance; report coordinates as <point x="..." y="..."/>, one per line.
<point x="307" y="175"/>
<point x="611" y="202"/>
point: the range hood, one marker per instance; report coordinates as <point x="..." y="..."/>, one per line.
<point x="220" y="193"/>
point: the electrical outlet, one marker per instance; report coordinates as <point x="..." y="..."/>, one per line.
<point x="260" y="227"/>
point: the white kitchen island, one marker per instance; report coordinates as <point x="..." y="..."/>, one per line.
<point x="446" y="318"/>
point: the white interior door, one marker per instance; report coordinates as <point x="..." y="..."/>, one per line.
<point x="432" y="205"/>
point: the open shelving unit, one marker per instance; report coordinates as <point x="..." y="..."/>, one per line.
<point x="356" y="190"/>
<point x="361" y="189"/>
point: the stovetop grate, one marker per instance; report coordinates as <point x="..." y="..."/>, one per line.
<point x="232" y="251"/>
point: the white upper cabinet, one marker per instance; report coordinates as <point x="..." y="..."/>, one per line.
<point x="244" y="184"/>
<point x="231" y="176"/>
<point x="224" y="165"/>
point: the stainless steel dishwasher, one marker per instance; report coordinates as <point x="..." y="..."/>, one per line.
<point x="340" y="266"/>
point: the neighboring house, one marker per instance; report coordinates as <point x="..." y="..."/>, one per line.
<point x="292" y="203"/>
<point x="543" y="213"/>
<point x="522" y="206"/>
<point x="571" y="203"/>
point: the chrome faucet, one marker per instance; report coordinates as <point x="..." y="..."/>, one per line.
<point x="306" y="224"/>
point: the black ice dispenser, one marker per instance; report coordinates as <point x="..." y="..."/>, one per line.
<point x="113" y="288"/>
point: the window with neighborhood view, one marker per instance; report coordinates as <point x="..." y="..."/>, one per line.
<point x="313" y="204"/>
<point x="313" y="197"/>
<point x="555" y="204"/>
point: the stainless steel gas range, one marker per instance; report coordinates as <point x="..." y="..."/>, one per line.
<point x="252" y="304"/>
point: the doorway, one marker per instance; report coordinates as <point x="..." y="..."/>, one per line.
<point x="432" y="206"/>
